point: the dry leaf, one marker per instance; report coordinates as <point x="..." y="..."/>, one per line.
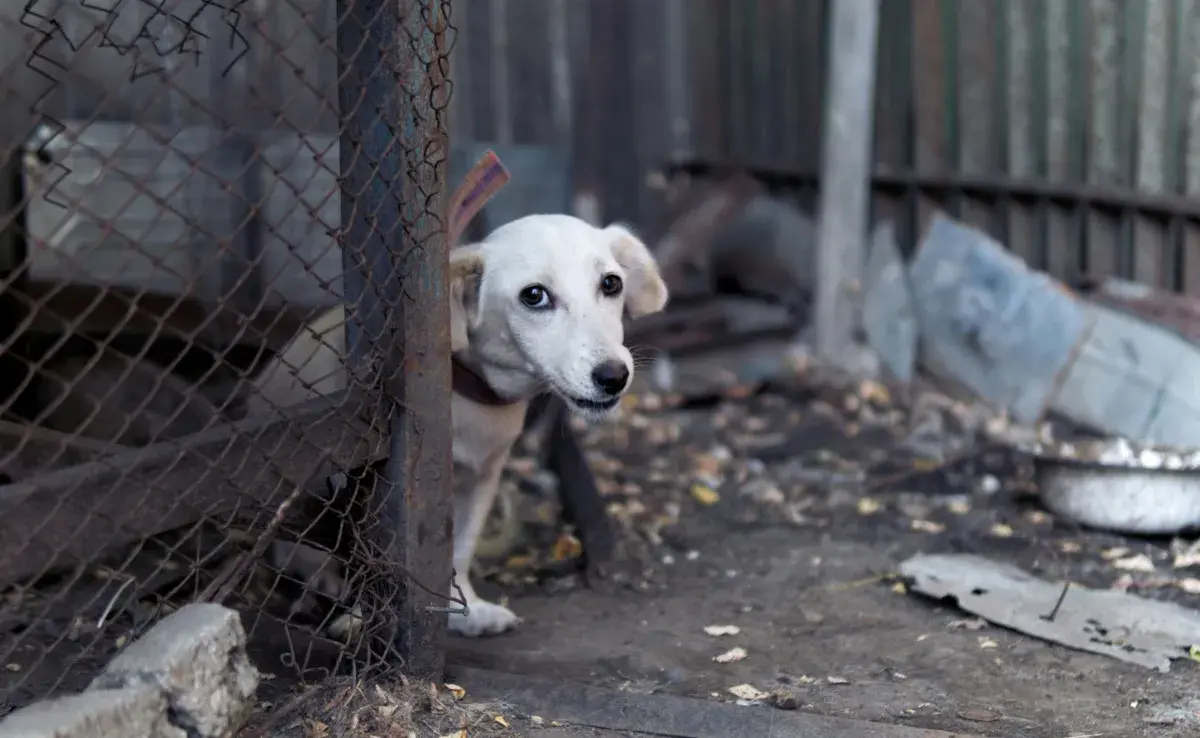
<point x="927" y="526"/>
<point x="722" y="630"/>
<point x="747" y="692"/>
<point x="1184" y="554"/>
<point x="566" y="547"/>
<point x="1140" y="562"/>
<point x="899" y="588"/>
<point x="836" y="680"/>
<point x="867" y="506"/>
<point x="705" y="495"/>
<point x="316" y="729"/>
<point x="969" y="624"/>
<point x="1070" y="547"/>
<point x="1037" y="517"/>
<point x="733" y="654"/>
<point x="959" y="507"/>
<point x="1116" y="552"/>
<point x="1189" y="585"/>
<point x="1002" y="530"/>
<point x="986" y="643"/>
<point x="455" y="690"/>
<point x="500" y="719"/>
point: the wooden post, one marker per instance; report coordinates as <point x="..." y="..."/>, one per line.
<point x="393" y="150"/>
<point x="845" y="174"/>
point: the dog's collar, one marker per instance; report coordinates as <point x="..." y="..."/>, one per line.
<point x="466" y="383"/>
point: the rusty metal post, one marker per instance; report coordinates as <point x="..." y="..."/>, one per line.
<point x="392" y="152"/>
<point x="845" y="174"/>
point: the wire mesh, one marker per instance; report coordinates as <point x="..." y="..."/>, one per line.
<point x="222" y="236"/>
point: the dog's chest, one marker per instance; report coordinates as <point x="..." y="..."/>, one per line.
<point x="483" y="435"/>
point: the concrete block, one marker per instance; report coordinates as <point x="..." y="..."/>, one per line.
<point x="197" y="657"/>
<point x="131" y="712"/>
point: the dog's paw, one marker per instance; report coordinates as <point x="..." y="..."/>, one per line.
<point x="483" y="618"/>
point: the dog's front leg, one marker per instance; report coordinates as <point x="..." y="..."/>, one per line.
<point x="471" y="509"/>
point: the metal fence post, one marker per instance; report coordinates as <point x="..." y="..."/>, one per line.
<point x="393" y="151"/>
<point x="845" y="173"/>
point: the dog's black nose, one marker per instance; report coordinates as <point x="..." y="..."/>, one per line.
<point x="611" y="376"/>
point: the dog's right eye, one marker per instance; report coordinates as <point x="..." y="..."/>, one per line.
<point x="536" y="297"/>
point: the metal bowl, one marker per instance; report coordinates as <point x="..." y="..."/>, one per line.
<point x="1120" y="486"/>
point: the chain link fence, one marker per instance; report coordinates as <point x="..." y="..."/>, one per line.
<point x="225" y="348"/>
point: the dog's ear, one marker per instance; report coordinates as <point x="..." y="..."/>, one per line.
<point x="466" y="270"/>
<point x="645" y="291"/>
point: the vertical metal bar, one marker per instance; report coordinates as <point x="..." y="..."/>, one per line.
<point x="846" y="173"/>
<point x="392" y="152"/>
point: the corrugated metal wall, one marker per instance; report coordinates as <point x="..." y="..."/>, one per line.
<point x="1068" y="128"/>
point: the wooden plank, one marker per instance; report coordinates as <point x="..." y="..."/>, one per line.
<point x="76" y="515"/>
<point x="979" y="105"/>
<point x="845" y="175"/>
<point x="1190" y="111"/>
<point x="462" y="119"/>
<point x="1105" y="165"/>
<point x="929" y="103"/>
<point x="1020" y="111"/>
<point x="1061" y="144"/>
<point x="1150" y="245"/>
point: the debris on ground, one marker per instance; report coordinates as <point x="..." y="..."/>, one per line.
<point x="381" y="707"/>
<point x="1107" y="622"/>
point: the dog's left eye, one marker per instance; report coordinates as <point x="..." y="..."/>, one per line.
<point x="610" y="285"/>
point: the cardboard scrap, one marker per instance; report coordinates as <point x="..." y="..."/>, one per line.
<point x="1107" y="622"/>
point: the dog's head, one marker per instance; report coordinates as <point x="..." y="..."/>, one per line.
<point x="538" y="304"/>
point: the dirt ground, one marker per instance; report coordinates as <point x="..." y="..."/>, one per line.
<point x="785" y="514"/>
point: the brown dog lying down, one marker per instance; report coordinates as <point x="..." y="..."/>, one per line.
<point x="535" y="307"/>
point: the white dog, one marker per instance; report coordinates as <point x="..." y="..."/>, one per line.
<point x="536" y="306"/>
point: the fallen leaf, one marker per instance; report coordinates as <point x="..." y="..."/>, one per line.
<point x="1070" y="547"/>
<point x="1037" y="517"/>
<point x="1185" y="554"/>
<point x="969" y="624"/>
<point x="928" y="526"/>
<point x="1194" y="653"/>
<point x="455" y="690"/>
<point x="315" y="729"/>
<point x="567" y="547"/>
<point x="980" y="715"/>
<point x="867" y="506"/>
<point x="837" y="680"/>
<point x="1002" y="530"/>
<point x="986" y="643"/>
<point x="747" y="692"/>
<point x="959" y="507"/>
<point x="1189" y="585"/>
<point x="722" y="630"/>
<point x="1109" y="554"/>
<point x="518" y="561"/>
<point x="705" y="495"/>
<point x="1139" y="562"/>
<point x="899" y="588"/>
<point x="13" y="667"/>
<point x="500" y="719"/>
<point x="733" y="654"/>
